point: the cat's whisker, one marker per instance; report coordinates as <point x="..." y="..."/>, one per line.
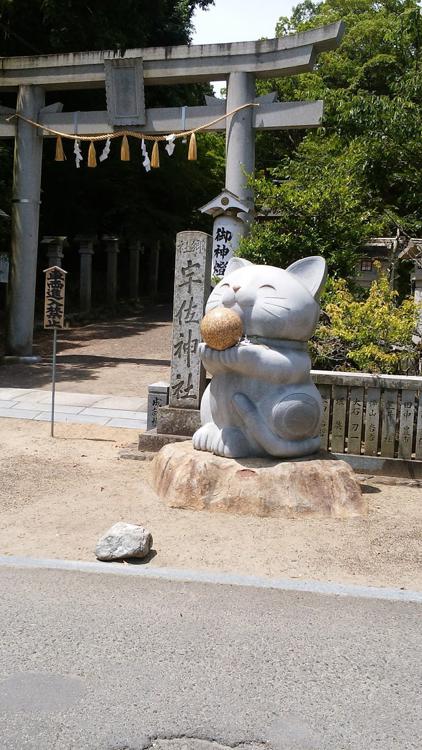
<point x="271" y="312"/>
<point x="274" y="304"/>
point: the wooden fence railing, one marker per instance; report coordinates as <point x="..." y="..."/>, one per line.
<point x="371" y="415"/>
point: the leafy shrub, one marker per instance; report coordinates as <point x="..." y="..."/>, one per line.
<point x="375" y="334"/>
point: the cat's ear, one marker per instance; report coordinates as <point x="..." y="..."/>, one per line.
<point x="235" y="263"/>
<point x="311" y="272"/>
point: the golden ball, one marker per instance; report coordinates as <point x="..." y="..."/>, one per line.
<point x="221" y="328"/>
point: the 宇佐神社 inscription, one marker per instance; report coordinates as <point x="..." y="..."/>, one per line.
<point x="191" y="289"/>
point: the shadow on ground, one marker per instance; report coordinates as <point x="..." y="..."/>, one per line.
<point x="131" y="340"/>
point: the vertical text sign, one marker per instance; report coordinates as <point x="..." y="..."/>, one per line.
<point x="226" y="237"/>
<point x="191" y="291"/>
<point x="55" y="279"/>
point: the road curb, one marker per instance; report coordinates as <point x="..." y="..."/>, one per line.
<point x="181" y="575"/>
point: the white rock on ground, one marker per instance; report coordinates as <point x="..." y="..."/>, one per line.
<point x="124" y="540"/>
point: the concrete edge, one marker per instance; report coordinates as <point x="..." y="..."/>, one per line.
<point x="226" y="579"/>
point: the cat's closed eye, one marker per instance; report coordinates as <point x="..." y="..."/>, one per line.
<point x="267" y="286"/>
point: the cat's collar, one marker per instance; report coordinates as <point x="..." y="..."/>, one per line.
<point x="276" y="343"/>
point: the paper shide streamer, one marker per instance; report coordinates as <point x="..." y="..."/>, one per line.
<point x="146" y="160"/>
<point x="78" y="153"/>
<point x="170" y="144"/>
<point x="106" y="150"/>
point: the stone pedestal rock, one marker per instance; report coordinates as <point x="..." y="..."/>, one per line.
<point x="314" y="486"/>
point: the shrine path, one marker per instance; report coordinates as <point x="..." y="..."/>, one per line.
<point x="111" y="357"/>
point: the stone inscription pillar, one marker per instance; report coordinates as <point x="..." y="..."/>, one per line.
<point x="158" y="395"/>
<point x="240" y="136"/>
<point x="191" y="291"/>
<point x="112" y="250"/>
<point x="86" y="251"/>
<point x="25" y="221"/>
<point x="134" y="251"/>
<point x="154" y="268"/>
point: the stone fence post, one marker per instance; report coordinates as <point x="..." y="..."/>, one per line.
<point x="135" y="249"/>
<point x="154" y="265"/>
<point x="112" y="250"/>
<point x="86" y="251"/>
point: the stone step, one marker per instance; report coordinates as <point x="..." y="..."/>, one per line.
<point x="152" y="441"/>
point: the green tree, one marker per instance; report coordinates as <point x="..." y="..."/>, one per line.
<point x="316" y="205"/>
<point x="361" y="173"/>
<point x="43" y="26"/>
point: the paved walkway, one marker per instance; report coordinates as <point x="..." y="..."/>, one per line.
<point x="78" y="408"/>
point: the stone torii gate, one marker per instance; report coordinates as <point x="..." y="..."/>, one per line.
<point x="124" y="78"/>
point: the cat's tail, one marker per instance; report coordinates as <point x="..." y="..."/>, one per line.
<point x="268" y="440"/>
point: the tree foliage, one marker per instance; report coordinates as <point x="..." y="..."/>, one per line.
<point x="361" y="173"/>
<point x="373" y="335"/>
<point x="43" y="26"/>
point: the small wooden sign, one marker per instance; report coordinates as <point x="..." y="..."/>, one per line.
<point x="55" y="280"/>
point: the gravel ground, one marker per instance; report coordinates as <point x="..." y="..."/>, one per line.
<point x="57" y="496"/>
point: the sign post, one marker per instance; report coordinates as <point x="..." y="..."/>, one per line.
<point x="55" y="281"/>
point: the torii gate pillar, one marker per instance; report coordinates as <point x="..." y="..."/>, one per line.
<point x="240" y="137"/>
<point x="25" y="220"/>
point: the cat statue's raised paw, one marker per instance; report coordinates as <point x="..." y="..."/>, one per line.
<point x="261" y="400"/>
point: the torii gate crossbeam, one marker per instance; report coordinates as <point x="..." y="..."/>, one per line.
<point x="269" y="58"/>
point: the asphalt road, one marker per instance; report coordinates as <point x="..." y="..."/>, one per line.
<point x="93" y="661"/>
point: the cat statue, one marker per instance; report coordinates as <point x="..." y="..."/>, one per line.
<point x="261" y="400"/>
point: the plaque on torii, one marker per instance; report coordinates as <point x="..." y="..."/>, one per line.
<point x="124" y="77"/>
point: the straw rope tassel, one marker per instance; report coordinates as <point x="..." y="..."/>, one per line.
<point x="192" y="152"/>
<point x="60" y="155"/>
<point x="92" y="156"/>
<point x="155" y="156"/>
<point x="125" y="150"/>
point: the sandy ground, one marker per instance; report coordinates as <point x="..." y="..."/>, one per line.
<point x="58" y="495"/>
